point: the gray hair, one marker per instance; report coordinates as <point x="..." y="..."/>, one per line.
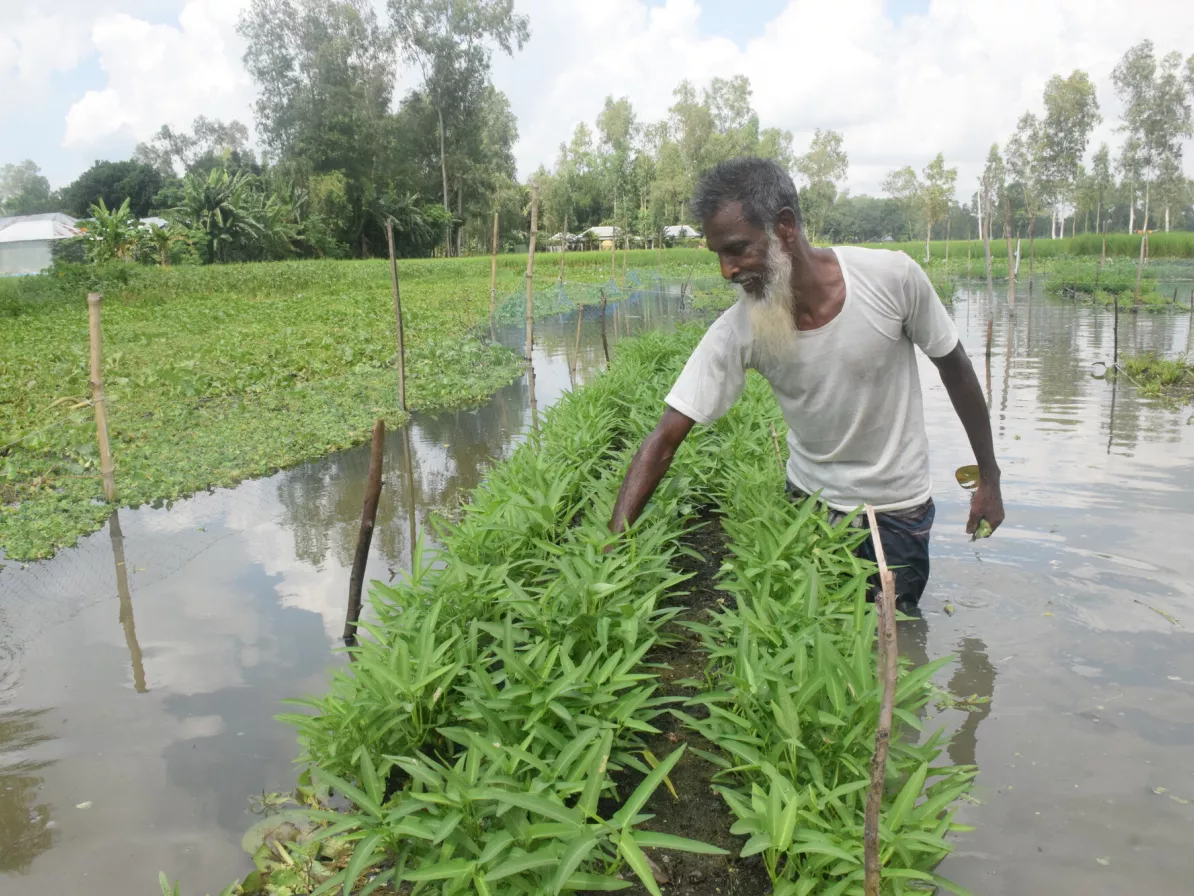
<point x="761" y="185"/>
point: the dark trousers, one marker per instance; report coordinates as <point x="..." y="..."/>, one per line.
<point x="905" y="537"/>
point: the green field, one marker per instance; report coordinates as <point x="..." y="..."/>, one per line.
<point x="1177" y="244"/>
<point x="217" y="374"/>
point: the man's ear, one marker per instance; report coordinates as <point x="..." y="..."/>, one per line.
<point x="786" y="228"/>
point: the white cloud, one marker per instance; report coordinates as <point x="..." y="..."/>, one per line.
<point x="952" y="80"/>
<point x="163" y="74"/>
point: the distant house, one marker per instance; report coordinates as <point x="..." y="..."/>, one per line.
<point x="680" y="232"/>
<point x="555" y="242"/>
<point x="25" y="241"/>
<point x="603" y="235"/>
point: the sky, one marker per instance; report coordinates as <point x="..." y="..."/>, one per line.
<point x="902" y="80"/>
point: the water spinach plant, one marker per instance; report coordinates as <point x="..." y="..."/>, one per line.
<point x="498" y="730"/>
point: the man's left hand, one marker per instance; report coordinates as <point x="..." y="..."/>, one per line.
<point x="985" y="504"/>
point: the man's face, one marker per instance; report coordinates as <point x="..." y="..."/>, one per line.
<point x="740" y="246"/>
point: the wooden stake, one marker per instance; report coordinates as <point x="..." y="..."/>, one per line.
<point x="97" y="396"/>
<point x="397" y="316"/>
<point x="604" y="340"/>
<point x="775" y="442"/>
<point x="580" y="316"/>
<point x="493" y="281"/>
<point x="531" y="271"/>
<point x="563" y="246"/>
<point x="365" y="537"/>
<point x="625" y="255"/>
<point x="412" y="521"/>
<point x="613" y="260"/>
<point x="887" y="653"/>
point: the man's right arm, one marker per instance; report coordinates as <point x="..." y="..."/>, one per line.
<point x="650" y="463"/>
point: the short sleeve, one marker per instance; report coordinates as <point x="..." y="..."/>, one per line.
<point x="714" y="376"/>
<point x="926" y="321"/>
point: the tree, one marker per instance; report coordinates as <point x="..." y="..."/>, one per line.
<point x="904" y="187"/>
<point x="936" y="195"/>
<point x="111" y="234"/>
<point x="177" y="152"/>
<point x="216" y="210"/>
<point x="114" y="182"/>
<point x="1071" y="113"/>
<point x="994" y="175"/>
<point x="1101" y="183"/>
<point x="1157" y="113"/>
<point x="823" y="166"/>
<point x="325" y="73"/>
<point x="24" y="190"/>
<point x="451" y="41"/>
<point x="1026" y="165"/>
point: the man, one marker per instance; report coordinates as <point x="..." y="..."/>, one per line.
<point x="832" y="331"/>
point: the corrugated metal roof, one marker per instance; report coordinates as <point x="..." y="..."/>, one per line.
<point x="37" y="227"/>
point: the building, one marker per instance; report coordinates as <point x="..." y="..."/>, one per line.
<point x="25" y="241"/>
<point x="680" y="232"/>
<point x="603" y="236"/>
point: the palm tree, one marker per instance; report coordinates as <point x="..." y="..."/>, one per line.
<point x="218" y="209"/>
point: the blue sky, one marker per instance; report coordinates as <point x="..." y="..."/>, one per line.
<point x="902" y="80"/>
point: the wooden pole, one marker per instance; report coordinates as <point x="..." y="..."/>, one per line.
<point x="625" y="255"/>
<point x="580" y="316"/>
<point x="531" y="271"/>
<point x="613" y="260"/>
<point x="887" y="654"/>
<point x="563" y="246"/>
<point x="368" y="518"/>
<point x="397" y="316"/>
<point x="493" y="281"/>
<point x="97" y="396"/>
<point x="604" y="340"/>
<point x="126" y="604"/>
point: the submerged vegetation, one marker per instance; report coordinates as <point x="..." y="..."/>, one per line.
<point x="499" y="728"/>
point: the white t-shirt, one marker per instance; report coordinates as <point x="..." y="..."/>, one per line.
<point x="850" y="392"/>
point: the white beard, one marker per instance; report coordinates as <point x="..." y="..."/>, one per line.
<point x="772" y="326"/>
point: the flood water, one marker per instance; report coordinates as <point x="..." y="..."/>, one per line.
<point x="140" y="671"/>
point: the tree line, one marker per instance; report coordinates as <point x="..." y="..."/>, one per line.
<point x="339" y="157"/>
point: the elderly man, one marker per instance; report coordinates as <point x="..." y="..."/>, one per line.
<point x="832" y="331"/>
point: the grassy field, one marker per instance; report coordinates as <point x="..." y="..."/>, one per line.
<point x="1177" y="244"/>
<point x="217" y="374"/>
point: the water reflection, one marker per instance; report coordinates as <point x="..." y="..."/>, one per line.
<point x="26" y="824"/>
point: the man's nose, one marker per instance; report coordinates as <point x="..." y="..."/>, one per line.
<point x="729" y="270"/>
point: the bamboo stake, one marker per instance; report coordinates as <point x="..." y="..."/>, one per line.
<point x="368" y="518"/>
<point x="397" y="316"/>
<point x="775" y="442"/>
<point x="126" y="604"/>
<point x="563" y="246"/>
<point x="613" y="260"/>
<point x="531" y="271"/>
<point x="97" y="396"/>
<point x="887" y="654"/>
<point x="625" y="255"/>
<point x="493" y="281"/>
<point x="580" y="316"/>
<point x="604" y="340"/>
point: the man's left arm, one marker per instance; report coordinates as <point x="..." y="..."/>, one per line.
<point x="931" y="328"/>
<point x="961" y="382"/>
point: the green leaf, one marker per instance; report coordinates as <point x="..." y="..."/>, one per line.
<point x="908" y="796"/>
<point x="638" y="862"/>
<point x="439" y="871"/>
<point x="575" y="853"/>
<point x="532" y="803"/>
<point x="656" y="840"/>
<point x="643" y="792"/>
<point x="595" y="882"/>
<point x="363" y="855"/>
